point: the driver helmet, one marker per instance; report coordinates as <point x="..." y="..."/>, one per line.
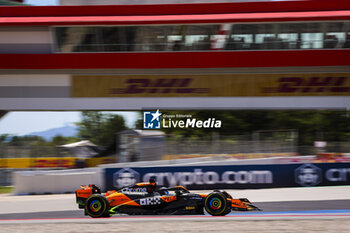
<point x="152" y="181"/>
<point x="152" y="185"/>
<point x="163" y="191"/>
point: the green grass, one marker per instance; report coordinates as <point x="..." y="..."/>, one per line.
<point x="6" y="189"/>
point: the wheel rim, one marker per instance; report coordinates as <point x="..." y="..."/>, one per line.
<point x="215" y="203"/>
<point x="95" y="206"/>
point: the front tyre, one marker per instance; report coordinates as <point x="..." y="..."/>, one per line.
<point x="97" y="206"/>
<point x="216" y="204"/>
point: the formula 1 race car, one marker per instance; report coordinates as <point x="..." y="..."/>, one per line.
<point x="144" y="199"/>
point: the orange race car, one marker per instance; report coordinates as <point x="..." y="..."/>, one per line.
<point x="146" y="199"/>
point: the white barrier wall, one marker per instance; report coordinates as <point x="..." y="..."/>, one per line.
<point x="58" y="181"/>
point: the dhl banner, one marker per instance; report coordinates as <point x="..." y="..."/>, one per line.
<point x="44" y="162"/>
<point x="218" y="85"/>
<point x="52" y="162"/>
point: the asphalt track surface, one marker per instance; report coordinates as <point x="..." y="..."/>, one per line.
<point x="293" y="208"/>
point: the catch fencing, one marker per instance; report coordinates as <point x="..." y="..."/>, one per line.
<point x="227" y="147"/>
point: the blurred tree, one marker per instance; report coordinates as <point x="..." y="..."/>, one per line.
<point x="101" y="128"/>
<point x="60" y="140"/>
<point x="4" y="137"/>
<point x="11" y="3"/>
<point x="26" y="140"/>
<point x="91" y="126"/>
<point x="336" y="125"/>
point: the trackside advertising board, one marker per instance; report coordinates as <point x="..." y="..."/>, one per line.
<point x="207" y="85"/>
<point x="233" y="177"/>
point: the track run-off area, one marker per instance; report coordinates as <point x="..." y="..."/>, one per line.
<point x="288" y="210"/>
<point x="251" y="216"/>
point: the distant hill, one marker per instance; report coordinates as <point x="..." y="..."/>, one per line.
<point x="65" y="131"/>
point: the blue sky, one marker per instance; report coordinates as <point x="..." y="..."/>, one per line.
<point x="42" y="2"/>
<point x="21" y="123"/>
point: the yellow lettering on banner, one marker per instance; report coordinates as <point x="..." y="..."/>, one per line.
<point x="54" y="162"/>
<point x="218" y="85"/>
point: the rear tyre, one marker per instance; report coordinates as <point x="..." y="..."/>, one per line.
<point x="216" y="204"/>
<point x="97" y="206"/>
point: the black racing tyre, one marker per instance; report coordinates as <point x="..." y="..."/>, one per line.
<point x="97" y="206"/>
<point x="228" y="208"/>
<point x="216" y="204"/>
<point x="107" y="215"/>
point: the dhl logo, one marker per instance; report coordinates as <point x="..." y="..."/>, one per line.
<point x="159" y="85"/>
<point x="310" y="85"/>
<point x="53" y="163"/>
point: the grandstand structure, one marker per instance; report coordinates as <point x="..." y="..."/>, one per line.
<point x="231" y="55"/>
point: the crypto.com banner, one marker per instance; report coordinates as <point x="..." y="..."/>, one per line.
<point x="212" y="85"/>
<point x="233" y="177"/>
